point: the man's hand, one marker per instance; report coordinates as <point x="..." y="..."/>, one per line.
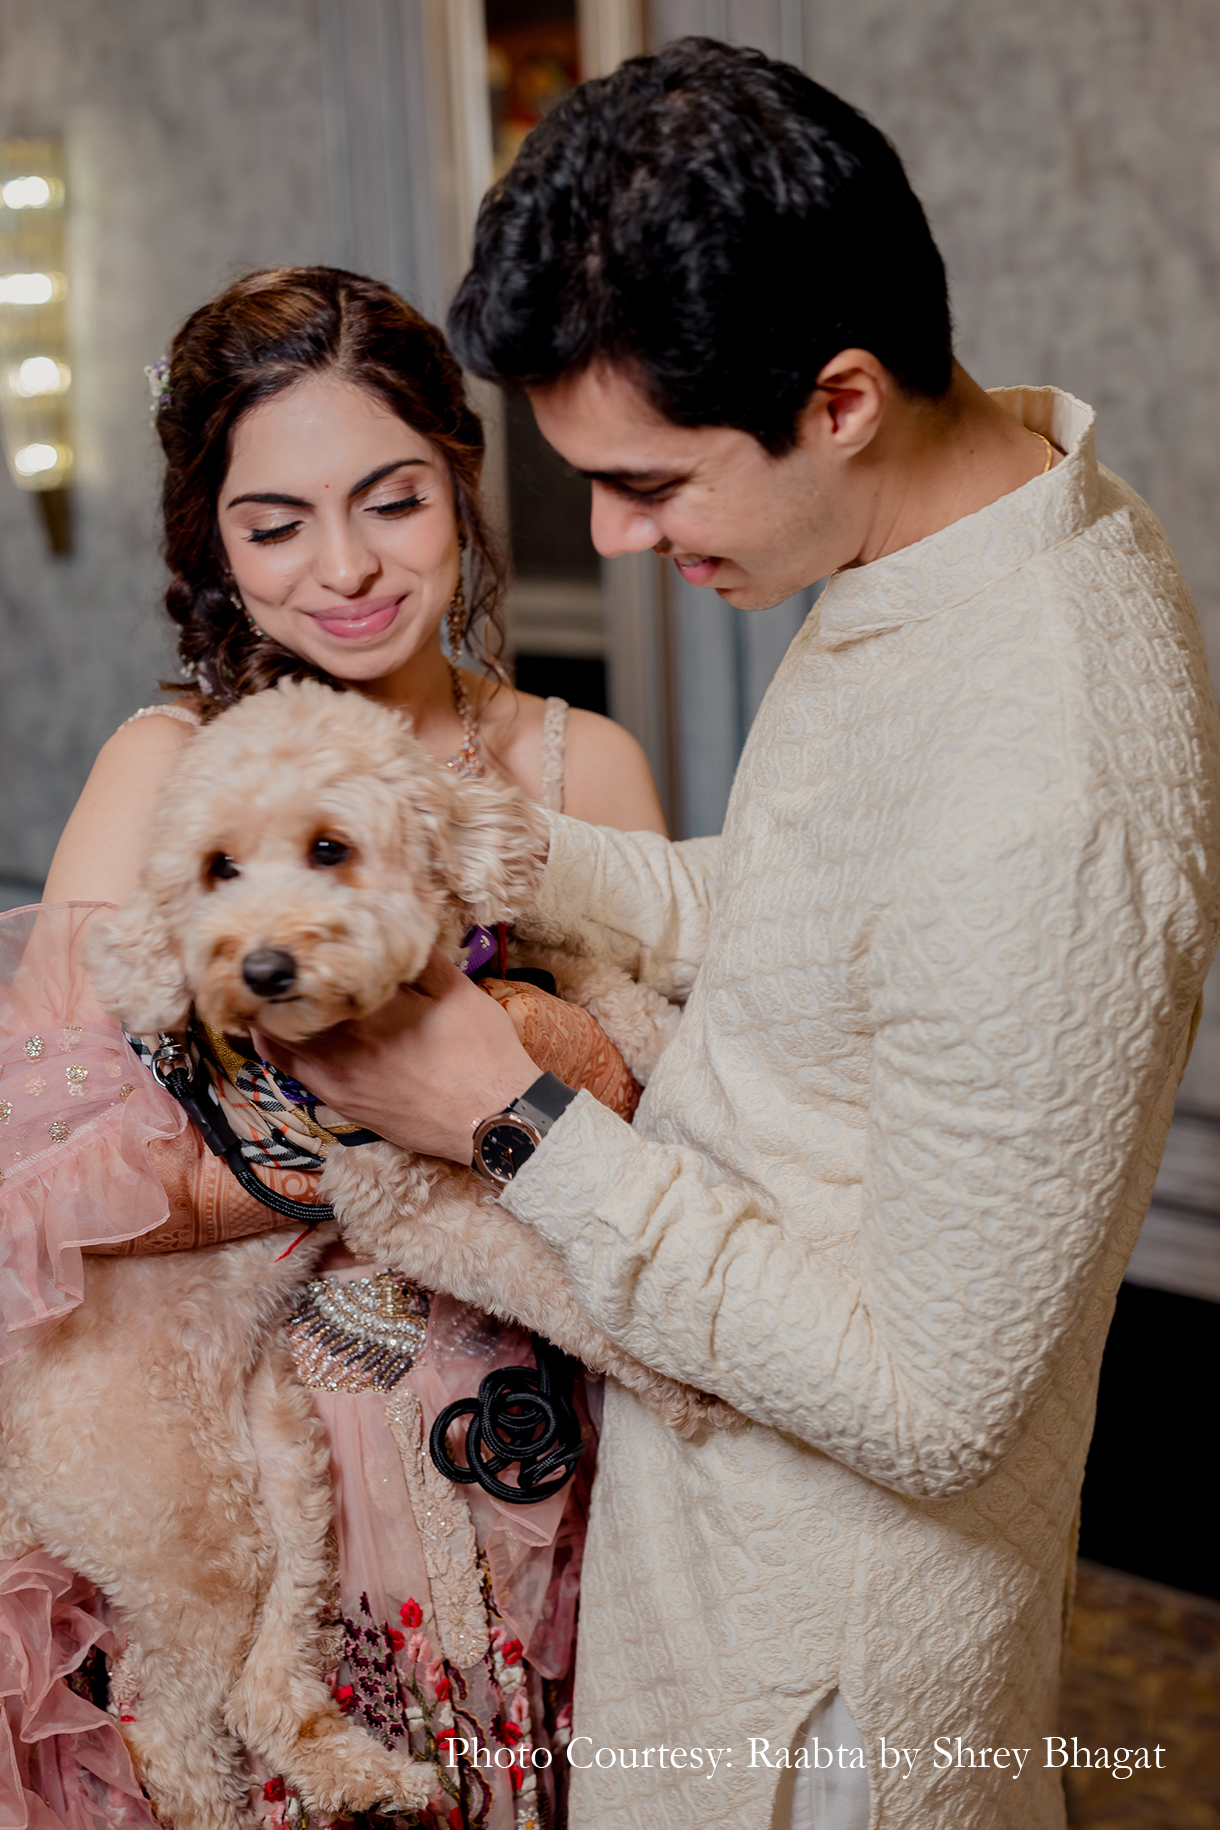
<point x="422" y="1072"/>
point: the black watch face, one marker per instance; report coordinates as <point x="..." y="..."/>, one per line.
<point x="504" y="1150"/>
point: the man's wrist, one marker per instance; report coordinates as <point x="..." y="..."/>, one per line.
<point x="504" y="1142"/>
<point x="544" y="1101"/>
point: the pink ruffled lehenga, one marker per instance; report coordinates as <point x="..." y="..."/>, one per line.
<point x="452" y="1622"/>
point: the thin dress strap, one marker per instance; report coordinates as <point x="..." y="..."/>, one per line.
<point x="554" y="748"/>
<point x="180" y="712"/>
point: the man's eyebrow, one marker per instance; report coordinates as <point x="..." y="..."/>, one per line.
<point x="646" y="481"/>
<point x="273" y="499"/>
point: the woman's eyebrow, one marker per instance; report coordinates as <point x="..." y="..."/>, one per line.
<point x="274" y="499"/>
<point x="386" y="470"/>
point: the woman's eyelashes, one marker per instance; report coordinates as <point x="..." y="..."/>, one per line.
<point x="401" y="507"/>
<point x="385" y="511"/>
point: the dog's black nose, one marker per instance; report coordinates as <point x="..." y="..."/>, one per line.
<point x="269" y="971"/>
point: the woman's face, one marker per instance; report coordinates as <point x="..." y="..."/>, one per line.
<point x="339" y="525"/>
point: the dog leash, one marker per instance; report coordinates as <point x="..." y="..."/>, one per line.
<point x="521" y="1415"/>
<point x="171" y="1066"/>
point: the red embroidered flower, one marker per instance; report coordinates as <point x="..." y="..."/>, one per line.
<point x="517" y="1777"/>
<point x="345" y="1695"/>
<point x="443" y="1690"/>
<point x="275" y="1791"/>
<point x="511" y="1732"/>
<point x="412" y="1613"/>
<point x="397" y="1640"/>
<point x="445" y="1744"/>
<point x="455" y="1819"/>
<point x="511" y="1651"/>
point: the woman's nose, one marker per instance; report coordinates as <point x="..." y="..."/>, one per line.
<point x="618" y="526"/>
<point x="346" y="561"/>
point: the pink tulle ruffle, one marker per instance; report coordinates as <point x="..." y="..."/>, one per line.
<point x="63" y="1763"/>
<point x="77" y="1114"/>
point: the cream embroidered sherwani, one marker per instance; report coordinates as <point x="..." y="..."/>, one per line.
<point x="941" y="968"/>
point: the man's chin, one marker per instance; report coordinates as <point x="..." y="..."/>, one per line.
<point x="751" y="596"/>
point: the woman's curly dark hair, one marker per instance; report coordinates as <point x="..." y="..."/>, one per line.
<point x="262" y="335"/>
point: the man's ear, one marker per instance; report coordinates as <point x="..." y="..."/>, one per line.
<point x="136" y="968"/>
<point x="844" y="413"/>
<point x="493" y="852"/>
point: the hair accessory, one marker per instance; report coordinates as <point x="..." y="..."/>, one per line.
<point x="158" y="380"/>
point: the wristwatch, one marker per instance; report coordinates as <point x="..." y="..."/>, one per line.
<point x="504" y="1143"/>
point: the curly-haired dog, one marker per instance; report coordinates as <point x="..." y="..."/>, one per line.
<point x="303" y="861"/>
<point x="302" y="865"/>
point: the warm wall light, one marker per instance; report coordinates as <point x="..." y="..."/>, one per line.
<point x="31" y="288"/>
<point x="35" y="371"/>
<point x="40" y="375"/>
<point x="32" y="193"/>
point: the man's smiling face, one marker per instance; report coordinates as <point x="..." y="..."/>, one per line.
<point x="754" y="527"/>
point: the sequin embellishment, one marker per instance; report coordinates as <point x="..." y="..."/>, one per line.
<point x="34" y="1046"/>
<point x="35" y="1084"/>
<point x="59" y="1131"/>
<point x="71" y="1036"/>
<point x="126" y="1091"/>
<point x="348" y="1337"/>
<point x="77" y="1077"/>
<point x="6" y="1111"/>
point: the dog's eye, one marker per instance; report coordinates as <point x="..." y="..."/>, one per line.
<point x="328" y="852"/>
<point x="221" y="865"/>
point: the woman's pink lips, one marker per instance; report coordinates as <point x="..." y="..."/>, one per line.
<point x="698" y="571"/>
<point x="350" y="622"/>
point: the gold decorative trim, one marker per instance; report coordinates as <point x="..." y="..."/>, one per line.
<point x="446" y="1531"/>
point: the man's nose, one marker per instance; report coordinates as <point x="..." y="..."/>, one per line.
<point x="619" y="526"/>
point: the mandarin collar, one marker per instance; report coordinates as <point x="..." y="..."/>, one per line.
<point x="965" y="558"/>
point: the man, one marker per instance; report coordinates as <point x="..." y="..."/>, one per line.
<point x="940" y="969"/>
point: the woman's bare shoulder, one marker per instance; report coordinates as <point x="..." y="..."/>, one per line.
<point x="607" y="780"/>
<point x="101" y="850"/>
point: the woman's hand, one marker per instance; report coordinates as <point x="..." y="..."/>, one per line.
<point x="423" y="1071"/>
<point x="564" y="1040"/>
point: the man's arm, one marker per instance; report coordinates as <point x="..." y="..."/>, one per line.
<point x="1027" y="1045"/>
<point x="639" y="900"/>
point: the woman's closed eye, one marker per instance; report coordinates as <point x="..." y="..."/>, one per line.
<point x="404" y="505"/>
<point x="385" y="511"/>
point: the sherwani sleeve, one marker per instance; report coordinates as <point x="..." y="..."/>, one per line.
<point x="641" y="901"/>
<point x="1029" y="1004"/>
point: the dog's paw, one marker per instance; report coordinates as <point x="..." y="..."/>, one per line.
<point x="376" y="1779"/>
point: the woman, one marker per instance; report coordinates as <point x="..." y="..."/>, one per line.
<point x="321" y="488"/>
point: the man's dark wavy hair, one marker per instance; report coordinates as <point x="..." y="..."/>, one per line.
<point x="716" y="222"/>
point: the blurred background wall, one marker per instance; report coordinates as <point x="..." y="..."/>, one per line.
<point x="1069" y="160"/>
<point x="194" y="143"/>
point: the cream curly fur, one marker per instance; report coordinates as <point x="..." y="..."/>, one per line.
<point x="158" y="1440"/>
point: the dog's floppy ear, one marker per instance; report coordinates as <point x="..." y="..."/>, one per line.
<point x="492" y="853"/>
<point x="136" y="969"/>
